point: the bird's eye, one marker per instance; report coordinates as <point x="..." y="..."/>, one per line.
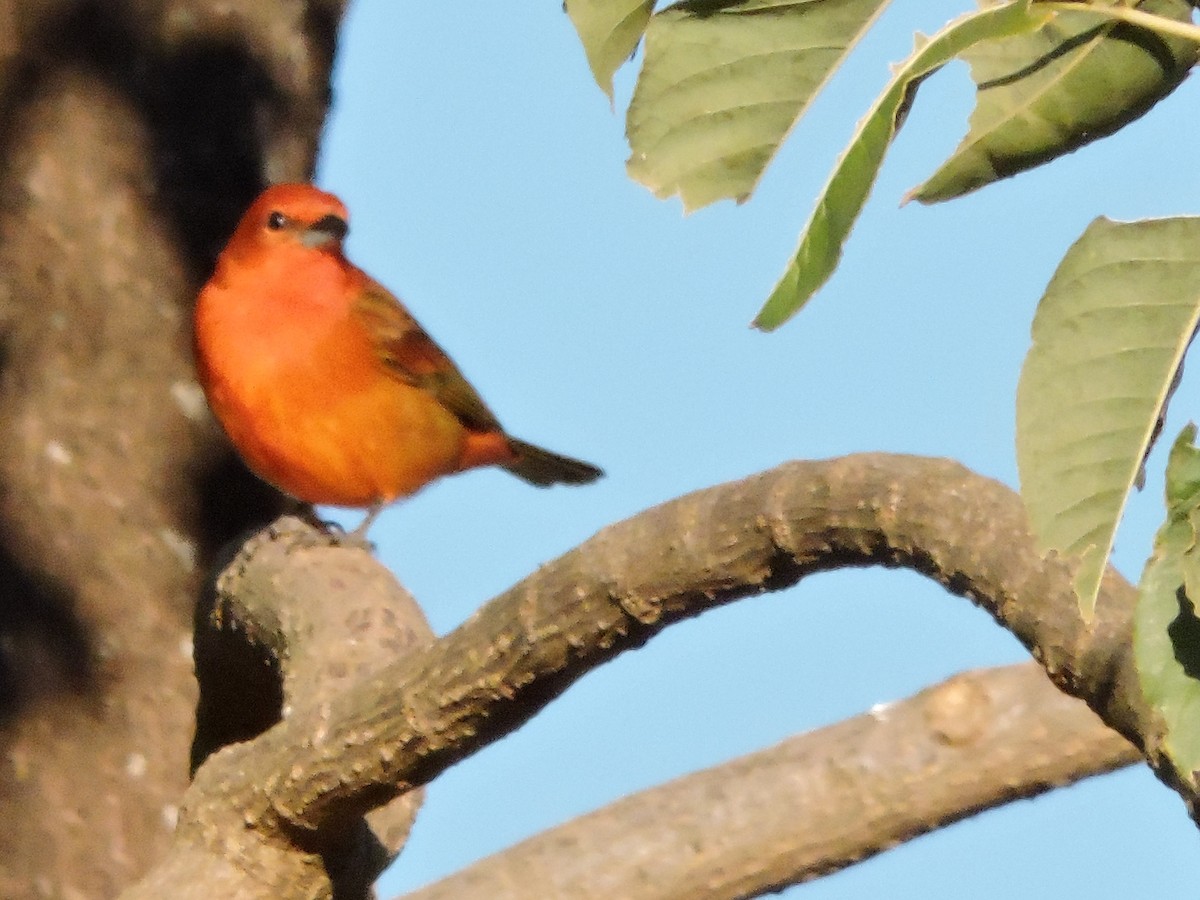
<point x="276" y="220"/>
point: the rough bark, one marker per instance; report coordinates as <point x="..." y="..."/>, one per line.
<point x="400" y="727"/>
<point x="815" y="803"/>
<point x="134" y="133"/>
<point x="259" y="661"/>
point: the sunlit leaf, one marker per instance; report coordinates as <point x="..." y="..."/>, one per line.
<point x="1109" y="334"/>
<point x="609" y="31"/>
<point x="1166" y="640"/>
<point x="1042" y="94"/>
<point x="846" y="191"/>
<point x="1191" y="557"/>
<point x="722" y="84"/>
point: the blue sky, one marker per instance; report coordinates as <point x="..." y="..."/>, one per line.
<point x="485" y="176"/>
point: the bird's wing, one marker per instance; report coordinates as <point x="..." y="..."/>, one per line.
<point x="411" y="355"/>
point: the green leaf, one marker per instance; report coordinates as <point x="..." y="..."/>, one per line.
<point x="1074" y="80"/>
<point x="1191" y="559"/>
<point x="723" y="83"/>
<point x="610" y="31"/>
<point x="1109" y="334"/>
<point x="1166" y="632"/>
<point x="846" y="191"/>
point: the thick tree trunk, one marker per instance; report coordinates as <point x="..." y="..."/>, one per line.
<point x="134" y="134"/>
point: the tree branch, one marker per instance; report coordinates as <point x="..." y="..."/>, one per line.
<point x="295" y="618"/>
<point x="815" y="803"/>
<point x="402" y="726"/>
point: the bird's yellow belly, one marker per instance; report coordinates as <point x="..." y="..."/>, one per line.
<point x="343" y="445"/>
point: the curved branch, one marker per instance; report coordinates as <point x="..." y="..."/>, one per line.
<point x="259" y="659"/>
<point x="308" y="618"/>
<point x="633" y="579"/>
<point x="404" y="725"/>
<point x="815" y="803"/>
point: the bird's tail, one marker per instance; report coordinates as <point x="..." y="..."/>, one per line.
<point x="542" y="468"/>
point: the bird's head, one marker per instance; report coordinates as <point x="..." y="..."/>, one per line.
<point x="296" y="216"/>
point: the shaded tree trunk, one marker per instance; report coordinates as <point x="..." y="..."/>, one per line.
<point x="134" y="135"/>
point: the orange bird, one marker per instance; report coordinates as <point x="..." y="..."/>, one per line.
<point x="325" y="383"/>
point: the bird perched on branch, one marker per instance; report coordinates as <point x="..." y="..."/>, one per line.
<point x="325" y="383"/>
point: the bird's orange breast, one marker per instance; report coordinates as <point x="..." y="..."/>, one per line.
<point x="311" y="408"/>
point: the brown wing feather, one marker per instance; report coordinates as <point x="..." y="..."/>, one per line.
<point x="412" y="356"/>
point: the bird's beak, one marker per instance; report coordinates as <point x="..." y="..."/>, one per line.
<point x="328" y="229"/>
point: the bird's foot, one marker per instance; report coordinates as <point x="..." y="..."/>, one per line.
<point x="304" y="529"/>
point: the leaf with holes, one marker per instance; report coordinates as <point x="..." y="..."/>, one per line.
<point x="1166" y="634"/>
<point x="1041" y="95"/>
<point x="846" y="191"/>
